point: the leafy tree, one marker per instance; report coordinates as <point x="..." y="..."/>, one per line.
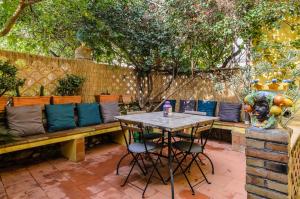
<point x="46" y="28"/>
<point x="6" y="9"/>
<point x="173" y="36"/>
<point x="139" y="37"/>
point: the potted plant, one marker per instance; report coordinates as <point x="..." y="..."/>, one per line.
<point x="107" y="97"/>
<point x="68" y="88"/>
<point x="31" y="100"/>
<point x="8" y="81"/>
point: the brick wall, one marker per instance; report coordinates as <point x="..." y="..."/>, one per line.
<point x="267" y="163"/>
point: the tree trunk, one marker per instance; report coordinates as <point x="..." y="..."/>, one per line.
<point x="13" y="19"/>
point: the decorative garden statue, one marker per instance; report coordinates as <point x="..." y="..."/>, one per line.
<point x="265" y="105"/>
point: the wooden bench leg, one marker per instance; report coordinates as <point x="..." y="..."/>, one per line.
<point x="238" y="141"/>
<point x="74" y="150"/>
<point x="118" y="137"/>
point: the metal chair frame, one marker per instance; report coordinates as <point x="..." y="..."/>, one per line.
<point x="201" y="141"/>
<point x="130" y="128"/>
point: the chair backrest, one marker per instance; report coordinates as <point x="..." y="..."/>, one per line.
<point x="129" y="128"/>
<point x="200" y="133"/>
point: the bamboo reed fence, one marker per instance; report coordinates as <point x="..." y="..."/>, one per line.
<point x="101" y="78"/>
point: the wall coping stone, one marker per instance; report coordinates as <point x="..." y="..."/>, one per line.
<point x="273" y="135"/>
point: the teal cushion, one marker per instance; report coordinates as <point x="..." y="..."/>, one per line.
<point x="60" y="117"/>
<point x="209" y="107"/>
<point x="88" y="114"/>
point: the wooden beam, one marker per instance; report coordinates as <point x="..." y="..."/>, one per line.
<point x="39" y="142"/>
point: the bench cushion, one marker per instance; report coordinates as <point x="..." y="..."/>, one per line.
<point x="25" y="120"/>
<point x="60" y="117"/>
<point x="208" y="107"/>
<point x="88" y="114"/>
<point x="109" y="110"/>
<point x="187" y="105"/>
<point x="230" y="112"/>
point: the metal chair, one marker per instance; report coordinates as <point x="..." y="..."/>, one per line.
<point x="137" y="150"/>
<point x="193" y="146"/>
<point x="149" y="135"/>
<point x="183" y="135"/>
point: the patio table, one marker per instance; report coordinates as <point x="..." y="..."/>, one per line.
<point x="171" y="124"/>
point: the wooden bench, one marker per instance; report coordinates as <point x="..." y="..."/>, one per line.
<point x="238" y="131"/>
<point x="72" y="141"/>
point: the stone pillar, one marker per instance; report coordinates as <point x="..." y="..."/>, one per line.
<point x="267" y="163"/>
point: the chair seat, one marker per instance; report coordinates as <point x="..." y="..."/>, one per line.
<point x="185" y="146"/>
<point x="140" y="147"/>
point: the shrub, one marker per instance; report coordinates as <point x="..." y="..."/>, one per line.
<point x="69" y="85"/>
<point x="8" y="77"/>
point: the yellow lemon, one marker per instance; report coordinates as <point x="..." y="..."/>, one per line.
<point x="275" y="110"/>
<point x="287" y="102"/>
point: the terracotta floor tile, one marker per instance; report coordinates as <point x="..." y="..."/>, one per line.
<point x="15" y="176"/>
<point x="94" y="187"/>
<point x="110" y="193"/>
<point x="64" y="190"/>
<point x="35" y="193"/>
<point x="26" y="185"/>
<point x="96" y="177"/>
<point x="187" y="194"/>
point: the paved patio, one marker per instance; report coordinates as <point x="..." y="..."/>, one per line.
<point x="95" y="178"/>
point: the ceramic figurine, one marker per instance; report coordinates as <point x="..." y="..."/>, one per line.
<point x="265" y="107"/>
<point x="274" y="86"/>
<point x="257" y="86"/>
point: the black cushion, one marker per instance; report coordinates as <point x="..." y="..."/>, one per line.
<point x="187" y="105"/>
<point x="230" y="112"/>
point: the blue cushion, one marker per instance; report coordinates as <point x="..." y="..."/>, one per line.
<point x="88" y="114"/>
<point x="60" y="117"/>
<point x="209" y="107"/>
<point x="173" y="104"/>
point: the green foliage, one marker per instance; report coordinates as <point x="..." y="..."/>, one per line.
<point x="70" y="85"/>
<point x="42" y="90"/>
<point x="18" y="93"/>
<point x="7" y="8"/>
<point x="8" y="77"/>
<point x="207" y="30"/>
<point x="130" y="32"/>
<point x="46" y="28"/>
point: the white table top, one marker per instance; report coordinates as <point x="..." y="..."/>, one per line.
<point x="175" y="122"/>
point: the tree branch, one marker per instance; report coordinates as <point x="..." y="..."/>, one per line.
<point x="13" y="19"/>
<point x="177" y="89"/>
<point x="233" y="55"/>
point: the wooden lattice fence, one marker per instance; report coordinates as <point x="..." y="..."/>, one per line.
<point x="294" y="171"/>
<point x="102" y="78"/>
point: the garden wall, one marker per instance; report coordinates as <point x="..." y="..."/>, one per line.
<point x="40" y="70"/>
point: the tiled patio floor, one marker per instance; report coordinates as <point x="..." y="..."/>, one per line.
<point x="95" y="178"/>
